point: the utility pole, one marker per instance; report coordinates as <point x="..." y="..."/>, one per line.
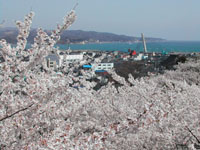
<point x="144" y="43"/>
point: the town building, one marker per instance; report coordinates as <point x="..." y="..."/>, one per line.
<point x="52" y="61"/>
<point x="70" y="58"/>
<point x="103" y="66"/>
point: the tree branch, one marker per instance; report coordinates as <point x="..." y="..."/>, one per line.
<point x="9" y="116"/>
<point x="193" y="135"/>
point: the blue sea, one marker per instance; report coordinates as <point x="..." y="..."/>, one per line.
<point x="170" y="46"/>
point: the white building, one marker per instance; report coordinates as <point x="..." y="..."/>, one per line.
<point x="74" y="57"/>
<point x="103" y="66"/>
<point x="70" y="58"/>
<point x="140" y="57"/>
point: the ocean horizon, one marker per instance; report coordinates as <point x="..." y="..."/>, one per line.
<point x="168" y="46"/>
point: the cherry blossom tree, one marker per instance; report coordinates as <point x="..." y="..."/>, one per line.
<point x="39" y="109"/>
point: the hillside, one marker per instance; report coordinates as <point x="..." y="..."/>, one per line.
<point x="76" y="36"/>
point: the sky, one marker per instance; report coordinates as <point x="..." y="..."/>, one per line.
<point x="169" y="19"/>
